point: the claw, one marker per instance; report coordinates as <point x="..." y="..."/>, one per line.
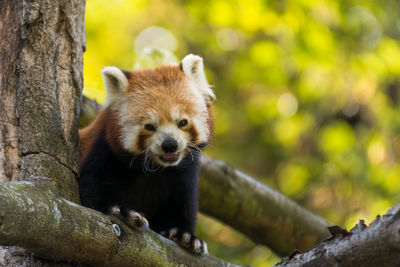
<point x="114" y="210"/>
<point x="172" y="233"/>
<point x="204" y="248"/>
<point x="186" y="240"/>
<point x="134" y="219"/>
<point x="196" y="245"/>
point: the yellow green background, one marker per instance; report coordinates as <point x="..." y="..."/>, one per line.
<point x="308" y="95"/>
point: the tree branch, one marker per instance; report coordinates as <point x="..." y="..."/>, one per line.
<point x="376" y="245"/>
<point x="65" y="231"/>
<point x="264" y="215"/>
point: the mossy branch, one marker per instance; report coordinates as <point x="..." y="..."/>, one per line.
<point x="33" y="216"/>
<point x="262" y="214"/>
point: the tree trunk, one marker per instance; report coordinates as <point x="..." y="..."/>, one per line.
<point x="41" y="62"/>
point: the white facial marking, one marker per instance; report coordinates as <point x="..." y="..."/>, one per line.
<point x="202" y="129"/>
<point x="175" y="114"/>
<point x="167" y="131"/>
<point x="129" y="129"/>
<point x="153" y="117"/>
<point x="200" y="117"/>
<point x="130" y="135"/>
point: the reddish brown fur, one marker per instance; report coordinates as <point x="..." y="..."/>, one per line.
<point x="105" y="121"/>
<point x="113" y="132"/>
<point x="89" y="134"/>
<point x="193" y="133"/>
<point x="163" y="88"/>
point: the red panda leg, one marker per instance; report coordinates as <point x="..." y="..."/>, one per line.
<point x="186" y="240"/>
<point x="132" y="218"/>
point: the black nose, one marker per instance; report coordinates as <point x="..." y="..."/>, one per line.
<point x="169" y="145"/>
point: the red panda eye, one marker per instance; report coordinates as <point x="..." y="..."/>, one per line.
<point x="150" y="127"/>
<point x="182" y="123"/>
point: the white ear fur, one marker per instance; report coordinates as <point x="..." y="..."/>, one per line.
<point x="192" y="66"/>
<point x="115" y="83"/>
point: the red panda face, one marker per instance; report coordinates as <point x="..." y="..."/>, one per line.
<point x="164" y="114"/>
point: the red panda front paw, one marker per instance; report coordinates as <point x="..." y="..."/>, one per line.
<point x="186" y="240"/>
<point x="136" y="220"/>
<point x="132" y="218"/>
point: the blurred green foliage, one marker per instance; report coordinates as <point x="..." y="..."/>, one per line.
<point x="308" y="94"/>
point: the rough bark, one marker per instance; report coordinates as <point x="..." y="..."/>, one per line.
<point x="262" y="214"/>
<point x="42" y="45"/>
<point x="41" y="61"/>
<point x="65" y="231"/>
<point x="376" y="245"/>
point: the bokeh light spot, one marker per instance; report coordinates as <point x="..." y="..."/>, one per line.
<point x="153" y="57"/>
<point x="351" y="109"/>
<point x="292" y="179"/>
<point x="364" y="90"/>
<point x="227" y="39"/>
<point x="155" y="37"/>
<point x="361" y="22"/>
<point x="376" y="152"/>
<point x="336" y="138"/>
<point x="287" y="105"/>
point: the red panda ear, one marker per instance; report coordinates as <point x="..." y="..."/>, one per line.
<point x="193" y="68"/>
<point x="115" y="82"/>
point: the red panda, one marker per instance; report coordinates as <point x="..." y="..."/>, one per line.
<point x="140" y="156"/>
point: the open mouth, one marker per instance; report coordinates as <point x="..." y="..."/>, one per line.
<point x="169" y="157"/>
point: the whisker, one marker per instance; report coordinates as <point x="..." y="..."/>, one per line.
<point x="191" y="154"/>
<point x="194" y="147"/>
<point x="134" y="158"/>
<point x="194" y="150"/>
<point x="149" y="164"/>
<point x="144" y="166"/>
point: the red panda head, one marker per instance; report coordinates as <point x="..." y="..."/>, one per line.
<point x="163" y="113"/>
